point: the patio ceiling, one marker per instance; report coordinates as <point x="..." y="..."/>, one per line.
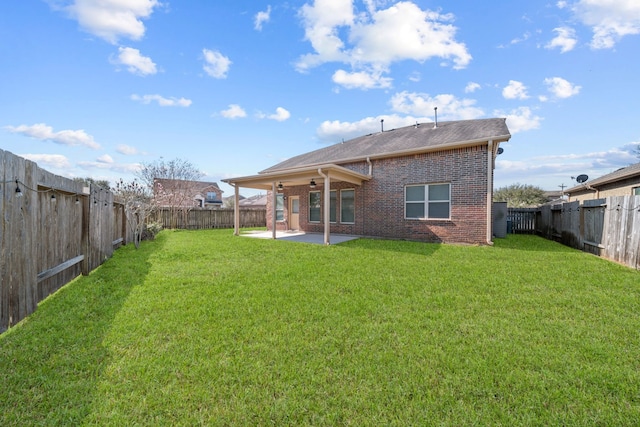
<point x="298" y="176"/>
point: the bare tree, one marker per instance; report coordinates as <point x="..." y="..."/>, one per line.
<point x="139" y="203"/>
<point x="173" y="184"/>
<point x="176" y="169"/>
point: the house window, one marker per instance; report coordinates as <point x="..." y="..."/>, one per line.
<point x="279" y="207"/>
<point x="347" y="206"/>
<point x="333" y="201"/>
<point x="314" y="206"/>
<point x="212" y="196"/>
<point x="636" y="191"/>
<point x="431" y="201"/>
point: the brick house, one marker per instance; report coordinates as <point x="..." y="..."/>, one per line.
<point x="179" y="193"/>
<point x="426" y="182"/>
<point x="622" y="182"/>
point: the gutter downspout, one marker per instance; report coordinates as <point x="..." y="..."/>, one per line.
<point x="327" y="201"/>
<point x="370" y="166"/>
<point x="489" y="191"/>
<point x="273" y="209"/>
<point x="236" y="210"/>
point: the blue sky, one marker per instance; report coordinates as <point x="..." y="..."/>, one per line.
<point x="94" y="88"/>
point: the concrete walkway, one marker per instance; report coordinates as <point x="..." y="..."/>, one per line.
<point x="300" y="236"/>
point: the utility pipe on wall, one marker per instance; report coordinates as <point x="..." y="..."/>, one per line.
<point x="489" y="191"/>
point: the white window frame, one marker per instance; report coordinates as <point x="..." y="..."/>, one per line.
<point x="426" y="202"/>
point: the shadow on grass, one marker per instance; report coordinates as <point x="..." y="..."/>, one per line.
<point x="51" y="362"/>
<point x="531" y="242"/>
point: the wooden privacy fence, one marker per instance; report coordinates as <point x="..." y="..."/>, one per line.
<point x="53" y="229"/>
<point x="521" y="220"/>
<point x="609" y="227"/>
<point x="197" y="219"/>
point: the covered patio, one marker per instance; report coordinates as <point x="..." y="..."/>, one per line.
<point x="273" y="181"/>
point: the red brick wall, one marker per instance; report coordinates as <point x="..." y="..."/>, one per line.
<point x="380" y="201"/>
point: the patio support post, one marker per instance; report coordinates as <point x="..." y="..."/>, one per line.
<point x="274" y="196"/>
<point x="327" y="211"/>
<point x="236" y="210"/>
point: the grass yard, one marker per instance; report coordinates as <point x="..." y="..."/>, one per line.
<point x="204" y="328"/>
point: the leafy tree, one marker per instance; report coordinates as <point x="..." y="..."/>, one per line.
<point x="139" y="203"/>
<point x="520" y="195"/>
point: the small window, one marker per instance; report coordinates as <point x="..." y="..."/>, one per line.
<point x="212" y="196"/>
<point x="314" y="206"/>
<point x="636" y="191"/>
<point x="431" y="201"/>
<point x="279" y="207"/>
<point x="347" y="206"/>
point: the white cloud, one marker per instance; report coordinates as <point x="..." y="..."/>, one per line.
<point x="127" y="150"/>
<point x="515" y="90"/>
<point x="103" y="164"/>
<point x="361" y="80"/>
<point x="565" y="39"/>
<point x="261" y="18"/>
<point x="50" y="160"/>
<point x="549" y="171"/>
<point x="375" y="39"/>
<point x="233" y="112"/>
<point x="336" y="131"/>
<point x="561" y="88"/>
<point x="520" y="119"/>
<point x="610" y="20"/>
<point x="216" y="64"/>
<point x="471" y="87"/>
<point x="280" y="115"/>
<point x="135" y="62"/>
<point x="422" y="105"/>
<point x="64" y="137"/>
<point x="162" y="101"/>
<point x="112" y="19"/>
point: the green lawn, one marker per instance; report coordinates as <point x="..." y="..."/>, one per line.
<point x="204" y="328"/>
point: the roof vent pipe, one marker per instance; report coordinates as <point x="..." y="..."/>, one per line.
<point x="381" y="125"/>
<point x="435" y="110"/>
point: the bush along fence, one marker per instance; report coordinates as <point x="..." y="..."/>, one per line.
<point x="197" y="219"/>
<point x="609" y="227"/>
<point x="53" y="229"/>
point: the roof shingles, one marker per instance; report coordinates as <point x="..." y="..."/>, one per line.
<point x="411" y="138"/>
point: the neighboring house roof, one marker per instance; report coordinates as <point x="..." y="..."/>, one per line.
<point x="618" y="175"/>
<point x="198" y="189"/>
<point x="259" y="200"/>
<point x="421" y="137"/>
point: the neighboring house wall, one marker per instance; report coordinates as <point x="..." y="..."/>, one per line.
<point x="380" y="202"/>
<point x="625" y="187"/>
<point x="187" y="194"/>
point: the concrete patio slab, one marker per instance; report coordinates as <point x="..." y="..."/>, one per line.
<point x="300" y="236"/>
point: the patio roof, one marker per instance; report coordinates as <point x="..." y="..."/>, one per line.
<point x="298" y="176"/>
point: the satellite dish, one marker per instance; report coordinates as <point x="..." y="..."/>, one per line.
<point x="582" y="178"/>
<point x="500" y="150"/>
